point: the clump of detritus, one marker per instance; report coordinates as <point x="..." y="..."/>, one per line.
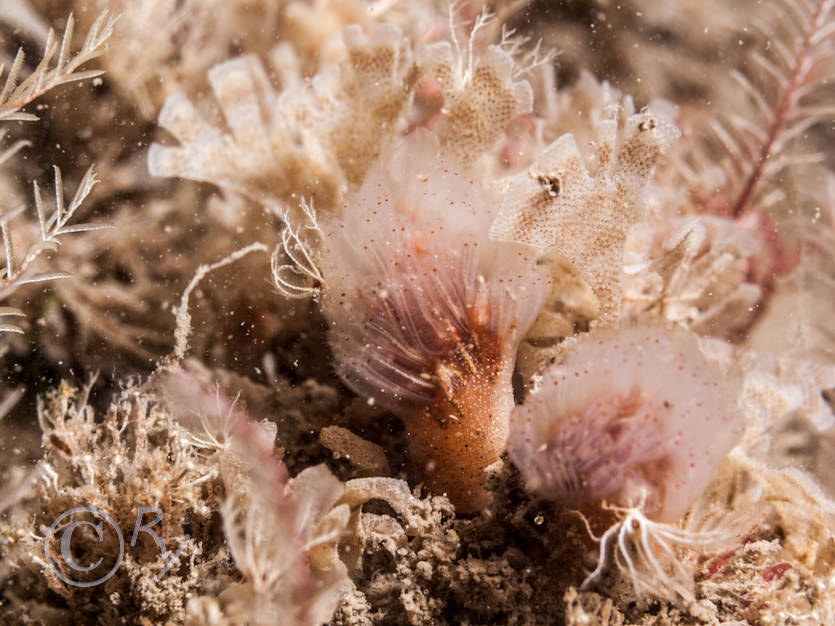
<point x="196" y="515"/>
<point x="414" y="561"/>
<point x="134" y="456"/>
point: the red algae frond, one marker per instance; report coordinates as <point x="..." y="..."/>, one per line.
<point x="426" y="312"/>
<point x="636" y="417"/>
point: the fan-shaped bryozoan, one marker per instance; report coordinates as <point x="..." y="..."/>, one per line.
<point x="583" y="208"/>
